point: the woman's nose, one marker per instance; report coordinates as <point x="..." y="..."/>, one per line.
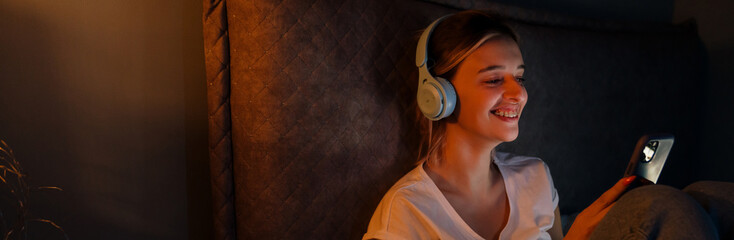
<point x="513" y="89"/>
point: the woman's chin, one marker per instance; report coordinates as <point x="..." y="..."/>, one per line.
<point x="507" y="137"/>
<point x="501" y="137"/>
<point x="510" y="139"/>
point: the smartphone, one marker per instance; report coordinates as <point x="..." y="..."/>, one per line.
<point x="649" y="158"/>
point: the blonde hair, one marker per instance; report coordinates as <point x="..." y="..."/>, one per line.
<point x="455" y="38"/>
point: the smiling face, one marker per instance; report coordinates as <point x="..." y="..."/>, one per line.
<point x="490" y="93"/>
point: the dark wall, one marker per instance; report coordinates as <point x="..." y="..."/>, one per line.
<point x="618" y="10"/>
<point x="716" y="29"/>
<point x="106" y="99"/>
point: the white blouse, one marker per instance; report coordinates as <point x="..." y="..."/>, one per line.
<point x="414" y="208"/>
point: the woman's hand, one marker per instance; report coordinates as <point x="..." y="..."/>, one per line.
<point x="587" y="220"/>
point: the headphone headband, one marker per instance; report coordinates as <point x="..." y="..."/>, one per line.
<point x="421" y="53"/>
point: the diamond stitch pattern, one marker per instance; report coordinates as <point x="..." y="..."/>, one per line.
<point x="314" y="114"/>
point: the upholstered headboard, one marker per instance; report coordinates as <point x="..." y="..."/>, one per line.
<point x="311" y="118"/>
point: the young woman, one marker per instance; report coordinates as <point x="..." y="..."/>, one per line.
<point x="462" y="188"/>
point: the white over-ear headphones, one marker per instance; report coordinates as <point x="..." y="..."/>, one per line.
<point x="436" y="96"/>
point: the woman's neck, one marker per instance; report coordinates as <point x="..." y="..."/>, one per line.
<point x="465" y="167"/>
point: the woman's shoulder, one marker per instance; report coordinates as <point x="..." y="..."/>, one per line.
<point x="532" y="175"/>
<point x="400" y="212"/>
<point x="414" y="184"/>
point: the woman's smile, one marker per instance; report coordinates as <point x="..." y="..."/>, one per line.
<point x="506" y="114"/>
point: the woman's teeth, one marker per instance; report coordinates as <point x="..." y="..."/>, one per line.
<point x="505" y="114"/>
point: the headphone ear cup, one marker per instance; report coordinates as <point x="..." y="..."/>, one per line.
<point x="449" y="98"/>
<point x="436" y="98"/>
<point x="430" y="98"/>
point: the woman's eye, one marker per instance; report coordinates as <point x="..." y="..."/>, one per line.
<point x="494" y="81"/>
<point x="520" y="80"/>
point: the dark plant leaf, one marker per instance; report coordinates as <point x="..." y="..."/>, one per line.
<point x="52" y="224"/>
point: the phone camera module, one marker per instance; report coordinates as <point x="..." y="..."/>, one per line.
<point x="649" y="150"/>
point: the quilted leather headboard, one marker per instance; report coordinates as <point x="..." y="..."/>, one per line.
<point x="310" y="106"/>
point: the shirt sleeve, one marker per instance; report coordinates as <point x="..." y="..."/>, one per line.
<point x="554" y="192"/>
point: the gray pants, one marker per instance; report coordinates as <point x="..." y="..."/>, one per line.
<point x="703" y="210"/>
